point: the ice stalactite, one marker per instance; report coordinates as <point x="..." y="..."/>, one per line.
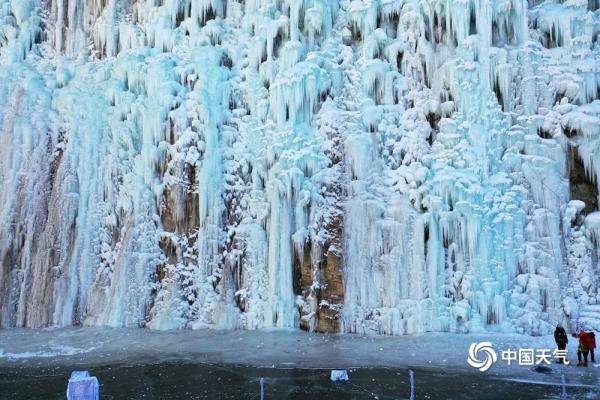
<point x="369" y="166"/>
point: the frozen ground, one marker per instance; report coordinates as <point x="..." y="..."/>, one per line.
<point x="89" y="347"/>
<point x="210" y="381"/>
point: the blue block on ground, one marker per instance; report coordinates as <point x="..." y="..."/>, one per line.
<point x="339" y="375"/>
<point x="82" y="386"/>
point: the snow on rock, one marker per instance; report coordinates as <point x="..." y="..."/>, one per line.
<point x="370" y="166"/>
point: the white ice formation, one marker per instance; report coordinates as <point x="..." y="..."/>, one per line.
<point x="370" y="166"/>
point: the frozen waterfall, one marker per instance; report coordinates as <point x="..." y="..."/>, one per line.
<point x="370" y="166"/>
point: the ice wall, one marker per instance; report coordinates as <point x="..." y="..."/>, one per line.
<point x="371" y="166"/>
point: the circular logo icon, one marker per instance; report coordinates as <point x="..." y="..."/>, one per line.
<point x="481" y="356"/>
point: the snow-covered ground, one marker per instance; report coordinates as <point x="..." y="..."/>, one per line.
<point x="89" y="347"/>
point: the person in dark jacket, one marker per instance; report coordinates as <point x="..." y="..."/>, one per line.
<point x="592" y="343"/>
<point x="561" y="339"/>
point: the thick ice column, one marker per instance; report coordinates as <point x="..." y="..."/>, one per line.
<point x="25" y="142"/>
<point x="520" y="21"/>
<point x="111" y="28"/>
<point x="417" y="279"/>
<point x="85" y="151"/>
<point x="281" y="310"/>
<point x="484" y="32"/>
<point x="59" y="24"/>
<point x="211" y="91"/>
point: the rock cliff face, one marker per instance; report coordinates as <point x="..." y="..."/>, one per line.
<point x="373" y="166"/>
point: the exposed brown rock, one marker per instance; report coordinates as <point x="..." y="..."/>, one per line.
<point x="181" y="224"/>
<point x="333" y="294"/>
<point x="320" y="282"/>
<point x="303" y="270"/>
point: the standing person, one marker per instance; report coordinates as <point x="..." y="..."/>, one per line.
<point x="561" y="339"/>
<point x="592" y="344"/>
<point x="583" y="348"/>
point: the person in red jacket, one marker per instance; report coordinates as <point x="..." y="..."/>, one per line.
<point x="592" y="344"/>
<point x="583" y="349"/>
